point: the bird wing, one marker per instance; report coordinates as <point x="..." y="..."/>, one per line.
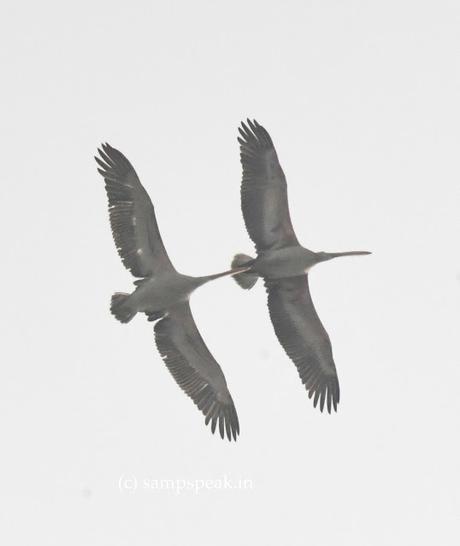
<point x="132" y="216"/>
<point x="195" y="369"/>
<point x="303" y="337"/>
<point x="263" y="190"/>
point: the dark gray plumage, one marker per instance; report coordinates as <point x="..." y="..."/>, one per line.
<point x="163" y="293"/>
<point x="284" y="265"/>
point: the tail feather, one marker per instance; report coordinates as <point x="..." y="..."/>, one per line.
<point x="247" y="279"/>
<point x="120" y="307"/>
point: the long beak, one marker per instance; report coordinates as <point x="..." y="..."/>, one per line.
<point x="225" y="273"/>
<point x="330" y="255"/>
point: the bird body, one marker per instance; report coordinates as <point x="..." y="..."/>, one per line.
<point x="292" y="261"/>
<point x="162" y="293"/>
<point x="159" y="293"/>
<point x="284" y="262"/>
<point x="284" y="265"/>
<point x="155" y="295"/>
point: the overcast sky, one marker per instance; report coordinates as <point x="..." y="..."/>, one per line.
<point x="362" y="101"/>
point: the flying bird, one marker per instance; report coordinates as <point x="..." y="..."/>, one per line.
<point x="284" y="265"/>
<point x="162" y="293"/>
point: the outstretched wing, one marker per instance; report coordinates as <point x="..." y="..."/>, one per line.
<point x="195" y="369"/>
<point x="132" y="216"/>
<point x="263" y="190"/>
<point x="304" y="338"/>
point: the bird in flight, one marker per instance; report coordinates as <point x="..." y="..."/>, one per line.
<point x="284" y="264"/>
<point x="163" y="294"/>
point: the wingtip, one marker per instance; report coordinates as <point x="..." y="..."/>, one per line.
<point x="252" y="123"/>
<point x="334" y="403"/>
<point x="252" y="126"/>
<point x="322" y="399"/>
<point x="225" y="422"/>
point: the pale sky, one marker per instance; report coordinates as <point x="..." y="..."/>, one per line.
<point x="362" y="101"/>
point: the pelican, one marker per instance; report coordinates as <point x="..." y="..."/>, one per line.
<point x="163" y="294"/>
<point x="284" y="265"/>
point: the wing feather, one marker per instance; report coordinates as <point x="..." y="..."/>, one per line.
<point x="195" y="369"/>
<point x="132" y="216"/>
<point x="303" y="337"/>
<point x="264" y="199"/>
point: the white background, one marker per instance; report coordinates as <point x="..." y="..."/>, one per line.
<point x="362" y="100"/>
